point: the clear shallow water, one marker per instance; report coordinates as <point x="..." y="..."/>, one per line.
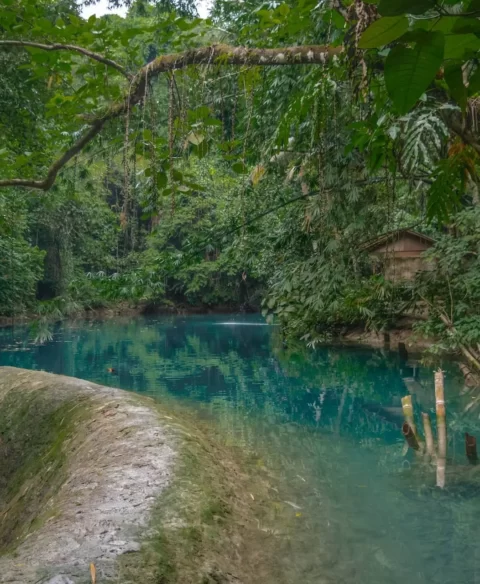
<point x="326" y="427"/>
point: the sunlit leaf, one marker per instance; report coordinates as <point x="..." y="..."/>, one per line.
<point x="257" y="174"/>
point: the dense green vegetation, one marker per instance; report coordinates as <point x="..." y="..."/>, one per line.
<point x="247" y="179"/>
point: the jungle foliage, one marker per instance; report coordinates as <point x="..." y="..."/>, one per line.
<point x="192" y="180"/>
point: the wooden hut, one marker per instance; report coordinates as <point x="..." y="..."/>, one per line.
<point x="398" y="254"/>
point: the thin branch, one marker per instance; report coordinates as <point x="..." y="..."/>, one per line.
<point x="222" y="54"/>
<point x="59" y="47"/>
<point x="48" y="181"/>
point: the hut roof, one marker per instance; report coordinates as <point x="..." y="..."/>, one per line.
<point x="394" y="235"/>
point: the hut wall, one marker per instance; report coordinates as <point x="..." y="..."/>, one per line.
<point x="404" y="268"/>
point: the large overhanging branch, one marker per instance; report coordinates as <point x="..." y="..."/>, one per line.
<point x="71" y="48"/>
<point x="214" y="54"/>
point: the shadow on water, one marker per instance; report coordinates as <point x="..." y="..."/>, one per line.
<point x="326" y="427"/>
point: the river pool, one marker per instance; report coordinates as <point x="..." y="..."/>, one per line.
<point x="326" y="426"/>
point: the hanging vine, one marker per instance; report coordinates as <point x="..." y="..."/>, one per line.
<point x="171" y="137"/>
<point x="126" y="171"/>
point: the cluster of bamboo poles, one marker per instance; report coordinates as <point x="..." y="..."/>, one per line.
<point x="426" y="449"/>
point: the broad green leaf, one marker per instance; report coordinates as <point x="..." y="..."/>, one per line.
<point x="467" y="25"/>
<point x="474" y="82"/>
<point x="239" y="168"/>
<point x="383" y="31"/>
<point x="201" y="150"/>
<point x="443" y="24"/>
<point x="409" y="72"/>
<point x="454" y="79"/>
<point x="397" y="7"/>
<point x="177" y="175"/>
<point x="161" y="180"/>
<point x="458" y="45"/>
<point x="212" y="122"/>
<point x="335" y="17"/>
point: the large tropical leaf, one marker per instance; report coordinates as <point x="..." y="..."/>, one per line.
<point x="383" y="31"/>
<point x="454" y="79"/>
<point x="397" y="7"/>
<point x="409" y="71"/>
<point x="457" y="45"/>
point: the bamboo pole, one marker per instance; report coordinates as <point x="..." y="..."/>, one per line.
<point x="441" y="428"/>
<point x="427" y="429"/>
<point x="410" y="437"/>
<point x="407" y="408"/>
<point x="471" y="448"/>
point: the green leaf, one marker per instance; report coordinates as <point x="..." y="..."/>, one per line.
<point x="409" y="72"/>
<point x="456" y="46"/>
<point x="454" y="79"/>
<point x="201" y="150"/>
<point x="474" y="82"/>
<point x="335" y="17"/>
<point x="212" y="122"/>
<point x="383" y="31"/>
<point x="443" y="24"/>
<point x="239" y="168"/>
<point x="185" y="25"/>
<point x="464" y="25"/>
<point x="397" y="7"/>
<point x="177" y="175"/>
<point x="161" y="179"/>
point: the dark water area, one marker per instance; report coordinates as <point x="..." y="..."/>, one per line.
<point x="325" y="425"/>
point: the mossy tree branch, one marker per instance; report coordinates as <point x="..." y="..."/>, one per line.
<point x="214" y="54"/>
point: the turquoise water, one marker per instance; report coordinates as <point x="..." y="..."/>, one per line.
<point x="325" y="427"/>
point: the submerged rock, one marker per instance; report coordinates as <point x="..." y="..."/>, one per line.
<point x="81" y="468"/>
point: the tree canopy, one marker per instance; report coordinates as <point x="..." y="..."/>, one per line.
<point x="242" y="159"/>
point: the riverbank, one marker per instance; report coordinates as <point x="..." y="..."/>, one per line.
<point x="132" y="310"/>
<point x="97" y="475"/>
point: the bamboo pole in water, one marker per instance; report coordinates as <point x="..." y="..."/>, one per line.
<point x="410" y="437"/>
<point x="471" y="448"/>
<point x="441" y="428"/>
<point x="427" y="429"/>
<point x="408" y="412"/>
<point x="407" y="408"/>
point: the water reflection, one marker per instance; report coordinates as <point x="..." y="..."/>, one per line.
<point x="326" y="428"/>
